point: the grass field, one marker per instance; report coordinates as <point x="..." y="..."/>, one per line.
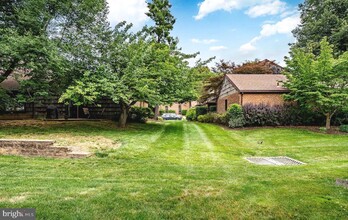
<point x="177" y="170"/>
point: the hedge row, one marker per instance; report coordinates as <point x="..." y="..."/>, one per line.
<point x="266" y="115"/>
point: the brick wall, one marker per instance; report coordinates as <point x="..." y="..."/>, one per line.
<point x="34" y="148"/>
<point x="271" y="99"/>
<point x="175" y="106"/>
<point x="231" y="99"/>
<point x="267" y="98"/>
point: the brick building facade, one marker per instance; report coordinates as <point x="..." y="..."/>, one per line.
<point x="251" y="89"/>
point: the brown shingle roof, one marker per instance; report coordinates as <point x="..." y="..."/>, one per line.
<point x="258" y="83"/>
<point x="10" y="84"/>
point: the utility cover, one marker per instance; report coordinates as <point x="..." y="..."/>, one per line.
<point x="278" y="161"/>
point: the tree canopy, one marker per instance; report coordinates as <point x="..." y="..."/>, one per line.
<point x="318" y="82"/>
<point x="137" y="69"/>
<point x="50" y="42"/>
<point x="323" y="18"/>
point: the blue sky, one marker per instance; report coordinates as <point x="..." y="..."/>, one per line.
<point x="235" y="30"/>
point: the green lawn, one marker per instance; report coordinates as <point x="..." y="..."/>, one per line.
<point x="179" y="170"/>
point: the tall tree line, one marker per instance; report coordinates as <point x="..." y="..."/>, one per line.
<point x="67" y="48"/>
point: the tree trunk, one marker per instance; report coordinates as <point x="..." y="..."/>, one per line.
<point x="328" y="121"/>
<point x="157" y="112"/>
<point x="124" y="115"/>
<point x="9" y="71"/>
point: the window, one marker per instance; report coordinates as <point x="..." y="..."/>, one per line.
<point x="180" y="109"/>
<point x="226" y="105"/>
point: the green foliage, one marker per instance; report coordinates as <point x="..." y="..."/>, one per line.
<point x="51" y="43"/>
<point x="201" y="110"/>
<point x="211" y="88"/>
<point x="322" y="129"/>
<point x="325" y="18"/>
<point x="159" y="12"/>
<point x="235" y="116"/>
<point x="5" y="99"/>
<point x="183" y="112"/>
<point x="319" y="83"/>
<point x="211" y="118"/>
<point x="212" y="108"/>
<point x="101" y="154"/>
<point x="139" y="114"/>
<point x="279" y="115"/>
<point x="344" y="128"/>
<point x="191" y="114"/>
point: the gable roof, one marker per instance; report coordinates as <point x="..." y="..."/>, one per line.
<point x="258" y="83"/>
<point x="10" y="84"/>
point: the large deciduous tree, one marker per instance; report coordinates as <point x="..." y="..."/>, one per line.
<point x="253" y="67"/>
<point x="136" y="70"/>
<point x="53" y="41"/>
<point x="159" y="12"/>
<point x="318" y="82"/>
<point x="323" y="18"/>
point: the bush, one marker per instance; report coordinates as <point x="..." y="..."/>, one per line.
<point x="212" y="118"/>
<point x="235" y="116"/>
<point x="221" y="119"/>
<point x="208" y="118"/>
<point x="138" y="114"/>
<point x="201" y="110"/>
<point x="183" y="112"/>
<point x="191" y="114"/>
<point x="266" y="115"/>
<point x="344" y="128"/>
<point x="212" y="108"/>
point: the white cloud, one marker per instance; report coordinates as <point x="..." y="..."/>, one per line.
<point x="218" y="48"/>
<point x="285" y="26"/>
<point x="246" y="48"/>
<point x="128" y="10"/>
<point x="203" y="41"/>
<point x="270" y="8"/>
<point x="256" y="7"/>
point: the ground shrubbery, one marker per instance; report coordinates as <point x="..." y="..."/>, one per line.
<point x="251" y="115"/>
<point x="235" y="116"/>
<point x="212" y="117"/>
<point x="183" y="112"/>
<point x="201" y="110"/>
<point x="344" y="128"/>
<point x="138" y="114"/>
<point x="191" y="114"/>
<point x="267" y="115"/>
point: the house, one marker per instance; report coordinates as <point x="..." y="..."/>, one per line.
<point x="178" y="107"/>
<point x="251" y="88"/>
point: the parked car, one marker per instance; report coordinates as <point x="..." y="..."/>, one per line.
<point x="171" y="116"/>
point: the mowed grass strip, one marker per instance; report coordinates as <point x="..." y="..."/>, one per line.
<point x="179" y="170"/>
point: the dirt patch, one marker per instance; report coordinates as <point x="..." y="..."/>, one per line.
<point x="15" y="199"/>
<point x="342" y="182"/>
